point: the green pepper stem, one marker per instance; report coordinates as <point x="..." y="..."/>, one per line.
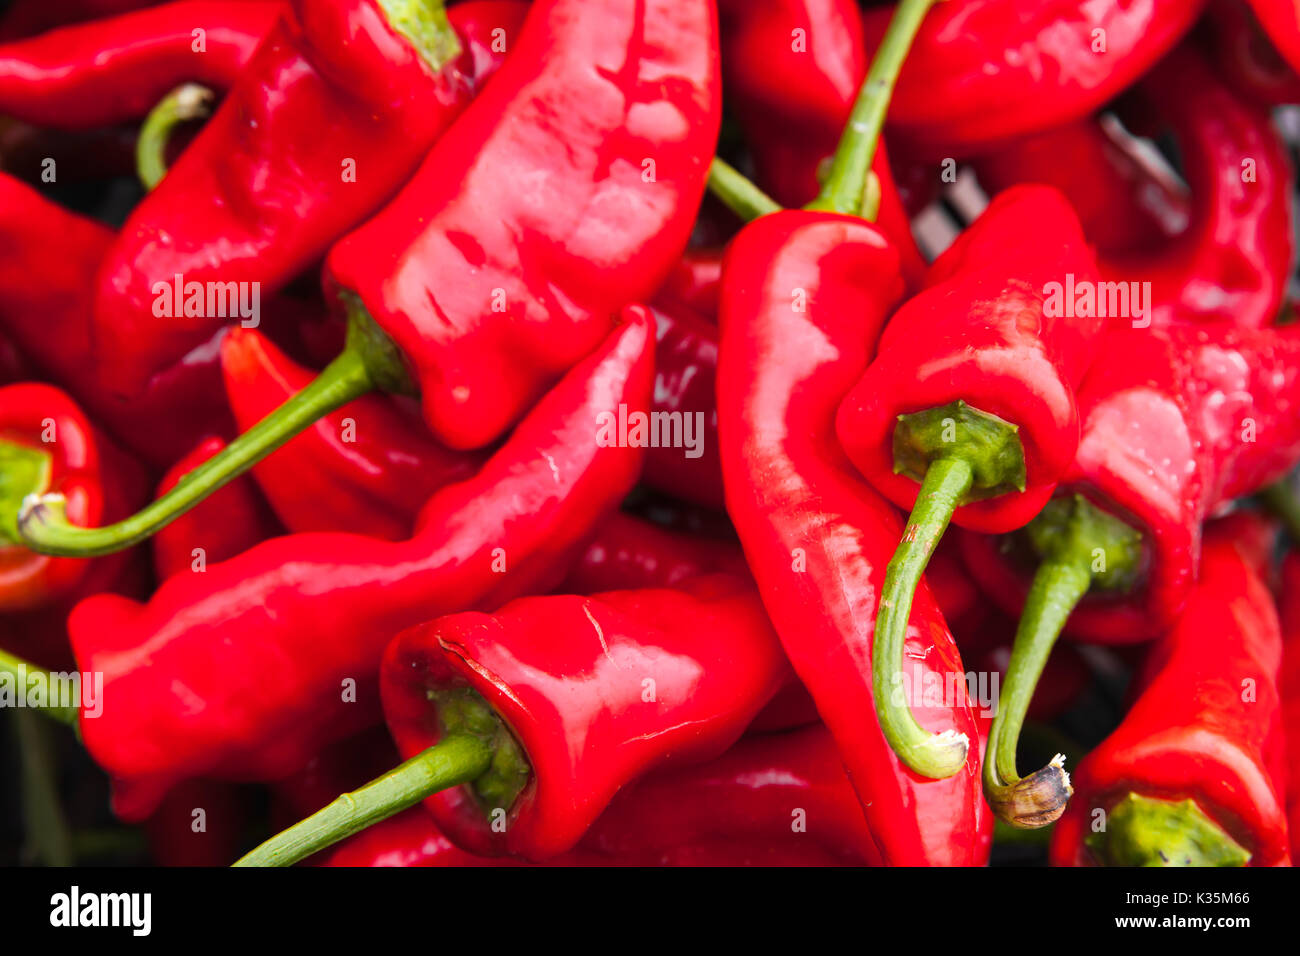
<point x="187" y="102"/>
<point x="43" y="524"/>
<point x="738" y="193"/>
<point x="51" y="839"/>
<point x="425" y="25"/>
<point x="1149" y="831"/>
<point x="933" y="755"/>
<point x="23" y="471"/>
<point x="847" y="187"/>
<point x="454" y="760"/>
<point x="19" y="670"/>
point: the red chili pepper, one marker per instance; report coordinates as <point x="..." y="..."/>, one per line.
<point x="315" y="611"/>
<point x="25" y="18"/>
<point x="694" y="282"/>
<point x="233" y="520"/>
<point x="1175" y="423"/>
<point x="1281" y="22"/>
<point x="791" y="70"/>
<point x="1289" y="683"/>
<point x="1232" y="261"/>
<point x="1244" y="55"/>
<point x="1184" y="780"/>
<point x="984" y="71"/>
<point x="582" y="695"/>
<point x="628" y="552"/>
<point x="45" y="308"/>
<point x="620" y="175"/>
<point x="111" y="71"/>
<point x="325" y="124"/>
<point x="365" y="469"/>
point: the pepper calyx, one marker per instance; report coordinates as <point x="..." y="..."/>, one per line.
<point x="379" y="354"/>
<point x="462" y="710"/>
<point x="1150" y="831"/>
<point x="424" y="24"/>
<point x="1036" y="800"/>
<point x="1073" y="530"/>
<point x="25" y="474"/>
<point x="988" y="444"/>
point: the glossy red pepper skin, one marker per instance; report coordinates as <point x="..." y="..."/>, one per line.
<point x="1281" y="22"/>
<point x="791" y="71"/>
<point x="984" y="71"/>
<point x="1289" y="683"/>
<point x="627" y="552"/>
<point x="315" y="610"/>
<point x="982" y="333"/>
<point x="1232" y="260"/>
<point x="228" y="522"/>
<point x="1191" y="732"/>
<point x="694" y="282"/>
<point x="686" y="368"/>
<point x="45" y="309"/>
<point x="568" y="676"/>
<point x="1245" y="56"/>
<point x="112" y="71"/>
<point x="1179" y="422"/>
<point x="278" y="151"/>
<point x="541" y="271"/>
<point x="365" y="469"/>
<point x="817" y="538"/>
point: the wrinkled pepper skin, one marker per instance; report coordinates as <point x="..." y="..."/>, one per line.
<point x="113" y="71"/>
<point x="1290" y="686"/>
<point x="278" y="152"/>
<point x="313" y="611"/>
<point x="492" y="293"/>
<point x="815" y="535"/>
<point x="984" y="71"/>
<point x="45" y="308"/>
<point x="1232" y="259"/>
<point x="229" y="522"/>
<point x="1175" y="423"/>
<point x="1191" y="733"/>
<point x="791" y="71"/>
<point x="686" y="369"/>
<point x="569" y="675"/>
<point x="982" y="333"/>
<point x="364" y="469"/>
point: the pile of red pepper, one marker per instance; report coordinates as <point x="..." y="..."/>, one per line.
<point x="501" y="433"/>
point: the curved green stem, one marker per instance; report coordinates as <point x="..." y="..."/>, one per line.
<point x="15" y="672"/>
<point x="1148" y="831"/>
<point x="1081" y="547"/>
<point x="369" y="361"/>
<point x="934" y="755"/>
<point x="457" y="759"/>
<point x="23" y="471"/>
<point x="846" y="189"/>
<point x="738" y="193"/>
<point x="187" y="102"/>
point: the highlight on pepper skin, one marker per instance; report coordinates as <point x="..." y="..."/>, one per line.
<point x="688" y="433"/>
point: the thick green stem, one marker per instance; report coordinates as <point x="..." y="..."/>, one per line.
<point x="424" y="23"/>
<point x="47" y="827"/>
<point x="369" y="361"/>
<point x="187" y="102"/>
<point x="15" y="673"/>
<point x="934" y="755"/>
<point x="738" y="193"/>
<point x="846" y="189"/>
<point x="1149" y="831"/>
<point x="23" y="471"/>
<point x="1082" y="548"/>
<point x="457" y="759"/>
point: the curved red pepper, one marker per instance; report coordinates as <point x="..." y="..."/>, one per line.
<point x="628" y="552"/>
<point x="1199" y="730"/>
<point x="1281" y="22"/>
<point x="45" y="307"/>
<point x="365" y="469"/>
<point x="981" y="71"/>
<point x="1245" y="56"/>
<point x="1289" y="683"/>
<point x="817" y="538"/>
<point x="230" y="522"/>
<point x="983" y="333"/>
<point x="298" y="160"/>
<point x="791" y="70"/>
<point x="694" y="282"/>
<point x="315" y="610"/>
<point x="1175" y="424"/>
<point x="597" y="691"/>
<point x="599" y="219"/>
<point x="1232" y="261"/>
<point x="111" y="71"/>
